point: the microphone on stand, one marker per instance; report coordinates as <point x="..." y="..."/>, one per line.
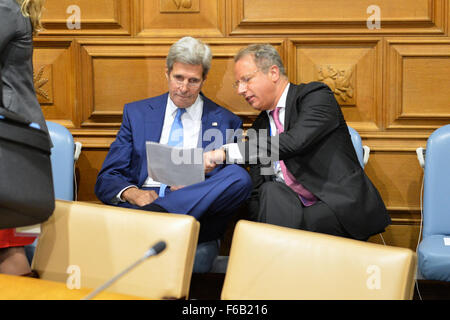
<point x="153" y="251"/>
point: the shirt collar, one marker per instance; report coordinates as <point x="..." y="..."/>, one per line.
<point x="194" y="110"/>
<point x="282" y="101"/>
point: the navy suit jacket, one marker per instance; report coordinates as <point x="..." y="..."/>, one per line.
<point x="126" y="162"/>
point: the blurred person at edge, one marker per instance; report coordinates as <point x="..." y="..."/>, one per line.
<point x="19" y="21"/>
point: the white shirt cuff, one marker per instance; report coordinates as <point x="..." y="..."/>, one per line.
<point x="233" y="153"/>
<point x="119" y="195"/>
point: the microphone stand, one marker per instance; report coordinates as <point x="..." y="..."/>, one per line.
<point x="156" y="249"/>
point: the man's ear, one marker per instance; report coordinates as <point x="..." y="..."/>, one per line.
<point x="274" y="72"/>
<point x="167" y="73"/>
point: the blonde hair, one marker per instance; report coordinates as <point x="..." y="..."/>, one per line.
<point x="32" y="9"/>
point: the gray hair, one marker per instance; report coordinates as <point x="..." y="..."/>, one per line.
<point x="190" y="51"/>
<point x="264" y="55"/>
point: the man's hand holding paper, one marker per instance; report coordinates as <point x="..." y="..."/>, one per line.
<point x="175" y="166"/>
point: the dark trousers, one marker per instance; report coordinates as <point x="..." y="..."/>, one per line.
<point x="275" y="203"/>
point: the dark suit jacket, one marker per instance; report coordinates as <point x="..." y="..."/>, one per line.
<point x="16" y="51"/>
<point x="126" y="162"/>
<point x="317" y="149"/>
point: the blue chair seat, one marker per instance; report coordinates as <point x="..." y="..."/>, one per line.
<point x="434" y="262"/>
<point x="362" y="152"/>
<point x="62" y="158"/>
<point x="433" y="255"/>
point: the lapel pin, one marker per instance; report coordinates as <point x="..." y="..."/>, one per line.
<point x="214" y="124"/>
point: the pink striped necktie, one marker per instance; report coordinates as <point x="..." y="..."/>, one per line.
<point x="307" y="198"/>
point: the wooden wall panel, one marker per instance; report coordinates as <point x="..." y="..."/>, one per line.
<point x="417" y="72"/>
<point x="331" y="17"/>
<point x="99" y="17"/>
<point x="117" y="72"/>
<point x="398" y="177"/>
<point x="178" y="18"/>
<point x="351" y="67"/>
<point x="399" y="235"/>
<point x="391" y="82"/>
<point x="448" y="18"/>
<point x="87" y="169"/>
<point x="53" y="63"/>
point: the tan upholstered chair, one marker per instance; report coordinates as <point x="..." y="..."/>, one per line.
<point x="271" y="262"/>
<point x="99" y="241"/>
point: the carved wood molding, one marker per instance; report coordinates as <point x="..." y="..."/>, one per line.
<point x="178" y="18"/>
<point x="377" y="141"/>
<point x="177" y="6"/>
<point x="54" y="79"/>
<point x="268" y="23"/>
<point x="341" y="79"/>
<point x="351" y="67"/>
<point x="44" y="89"/>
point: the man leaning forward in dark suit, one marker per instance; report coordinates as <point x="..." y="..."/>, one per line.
<point x="303" y="165"/>
<point x="123" y="179"/>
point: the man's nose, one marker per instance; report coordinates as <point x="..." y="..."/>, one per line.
<point x="241" y="88"/>
<point x="184" y="86"/>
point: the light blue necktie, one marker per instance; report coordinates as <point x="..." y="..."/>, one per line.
<point x="175" y="140"/>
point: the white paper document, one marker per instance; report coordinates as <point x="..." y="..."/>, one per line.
<point x="446" y="241"/>
<point x="174" y="166"/>
<point x="28" y="231"/>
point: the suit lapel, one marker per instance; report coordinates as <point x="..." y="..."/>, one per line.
<point x="290" y="99"/>
<point x="153" y="123"/>
<point x="262" y="122"/>
<point x="210" y="120"/>
<point x="154" y="118"/>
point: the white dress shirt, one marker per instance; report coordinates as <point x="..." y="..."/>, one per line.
<point x="192" y="125"/>
<point x="233" y="152"/>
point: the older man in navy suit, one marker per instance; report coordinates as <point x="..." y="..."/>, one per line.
<point x="123" y="179"/>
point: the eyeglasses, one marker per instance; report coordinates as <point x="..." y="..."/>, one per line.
<point x="192" y="83"/>
<point x="245" y="80"/>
